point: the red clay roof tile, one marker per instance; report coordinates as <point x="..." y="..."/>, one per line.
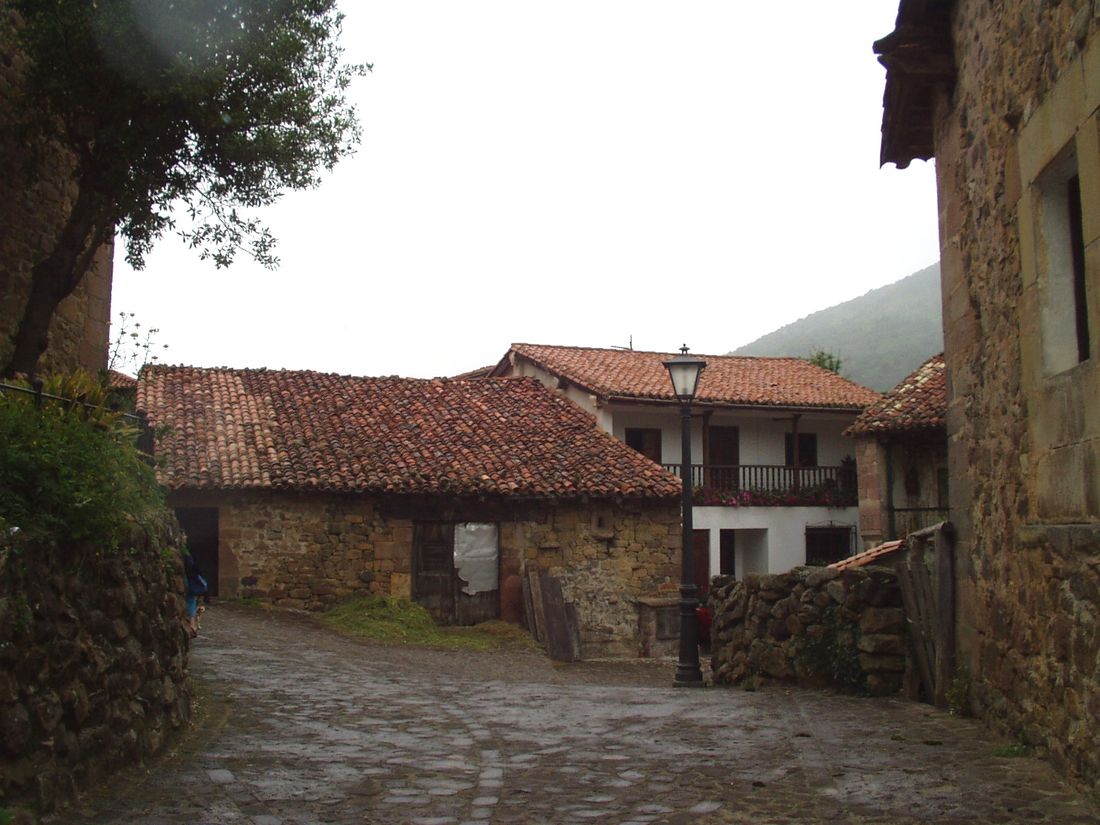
<point x="733" y="380"/>
<point x="919" y="402"/>
<point x="296" y="430"/>
<point x="873" y="555"/>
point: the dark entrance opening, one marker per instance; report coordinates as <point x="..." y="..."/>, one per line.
<point x="825" y="545"/>
<point x="701" y="561"/>
<point x="200" y="524"/>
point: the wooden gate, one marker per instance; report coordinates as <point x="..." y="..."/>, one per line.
<point x="926" y="575"/>
<point x="437" y="584"/>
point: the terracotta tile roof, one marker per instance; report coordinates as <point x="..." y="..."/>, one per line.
<point x="734" y="380"/>
<point x="874" y="555"/>
<point x="918" y="403"/>
<point x="480" y="372"/>
<point x="288" y="430"/>
<point x="120" y="381"/>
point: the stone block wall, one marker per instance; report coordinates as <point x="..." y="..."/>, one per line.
<point x="307" y="551"/>
<point x="93" y="663"/>
<point x="607" y="557"/>
<point x="1023" y="441"/>
<point x="814" y="626"/>
<point x="36" y="191"/>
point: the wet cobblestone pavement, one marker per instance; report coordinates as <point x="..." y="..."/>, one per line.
<point x="303" y="726"/>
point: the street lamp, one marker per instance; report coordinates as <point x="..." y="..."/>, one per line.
<point x="684" y="370"/>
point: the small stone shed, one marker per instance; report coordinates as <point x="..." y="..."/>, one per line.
<point x="300" y="488"/>
<point x="901" y="453"/>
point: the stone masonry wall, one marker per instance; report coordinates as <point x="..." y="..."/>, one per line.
<point x="606" y="557"/>
<point x="36" y="191"/>
<point x="93" y="663"/>
<point x="813" y="625"/>
<point x="309" y="550"/>
<point x="1029" y="552"/>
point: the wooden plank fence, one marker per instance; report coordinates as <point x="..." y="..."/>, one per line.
<point x="926" y="576"/>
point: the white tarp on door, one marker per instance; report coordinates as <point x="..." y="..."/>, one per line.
<point x="477" y="557"/>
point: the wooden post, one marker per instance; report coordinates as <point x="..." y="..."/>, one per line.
<point x="944" y="540"/>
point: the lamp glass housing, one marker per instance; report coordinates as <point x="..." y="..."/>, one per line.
<point x="684" y="370"/>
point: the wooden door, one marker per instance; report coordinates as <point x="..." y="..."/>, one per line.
<point x="723" y="457"/>
<point x="701" y="561"/>
<point x="200" y="525"/>
<point x="440" y="586"/>
<point x="433" y="569"/>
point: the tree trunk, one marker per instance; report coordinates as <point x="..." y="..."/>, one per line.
<point x="56" y="276"/>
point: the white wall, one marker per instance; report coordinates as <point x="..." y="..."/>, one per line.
<point x="782" y="544"/>
<point x="762" y="436"/>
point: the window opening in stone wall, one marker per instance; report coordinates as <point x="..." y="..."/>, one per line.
<point x="1063" y="298"/>
<point x="1077" y="246"/>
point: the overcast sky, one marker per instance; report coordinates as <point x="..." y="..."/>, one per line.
<point x="575" y="172"/>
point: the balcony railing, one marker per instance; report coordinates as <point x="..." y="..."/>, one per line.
<point x="772" y="485"/>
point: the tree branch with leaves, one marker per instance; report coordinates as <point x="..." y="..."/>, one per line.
<point x="218" y="105"/>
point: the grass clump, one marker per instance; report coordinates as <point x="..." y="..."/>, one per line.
<point x="1013" y="750"/>
<point x="397" y="621"/>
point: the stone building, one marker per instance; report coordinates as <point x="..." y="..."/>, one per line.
<point x="36" y="193"/>
<point x="901" y="453"/>
<point x="301" y="488"/>
<point x="1006" y="96"/>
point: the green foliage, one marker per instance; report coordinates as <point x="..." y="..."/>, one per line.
<point x="68" y="472"/>
<point x="218" y="105"/>
<point x="826" y="360"/>
<point x="884" y="335"/>
<point x="835" y="654"/>
<point x="958" y="693"/>
<point x="392" y="620"/>
<point x="6" y="816"/>
<point x="1013" y="750"/>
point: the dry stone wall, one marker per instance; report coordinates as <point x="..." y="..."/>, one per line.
<point x="36" y="192"/>
<point x="93" y="663"/>
<point x="814" y="626"/>
<point x="1029" y="629"/>
<point x="306" y="551"/>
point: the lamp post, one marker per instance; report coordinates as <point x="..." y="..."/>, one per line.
<point x="684" y="370"/>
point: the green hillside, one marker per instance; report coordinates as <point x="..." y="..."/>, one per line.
<point x="881" y="337"/>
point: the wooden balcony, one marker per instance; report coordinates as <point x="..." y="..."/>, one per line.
<point x="772" y="485"/>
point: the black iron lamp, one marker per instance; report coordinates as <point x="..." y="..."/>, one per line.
<point x="684" y="370"/>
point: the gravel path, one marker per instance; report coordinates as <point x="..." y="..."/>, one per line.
<point x="299" y="725"/>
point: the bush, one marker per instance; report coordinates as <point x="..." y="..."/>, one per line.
<point x="69" y="473"/>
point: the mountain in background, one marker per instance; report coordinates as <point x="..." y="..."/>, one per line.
<point x="880" y="337"/>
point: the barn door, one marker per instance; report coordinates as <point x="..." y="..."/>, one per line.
<point x="457" y="571"/>
<point x="433" y="569"/>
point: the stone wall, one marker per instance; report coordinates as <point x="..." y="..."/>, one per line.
<point x="307" y="551"/>
<point x="36" y="191"/>
<point x="813" y="625"/>
<point x="1024" y="441"/>
<point x="93" y="663"/>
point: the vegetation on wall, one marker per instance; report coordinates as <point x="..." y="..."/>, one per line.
<point x="71" y="471"/>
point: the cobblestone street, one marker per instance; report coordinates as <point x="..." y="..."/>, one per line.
<point x="303" y="726"/>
